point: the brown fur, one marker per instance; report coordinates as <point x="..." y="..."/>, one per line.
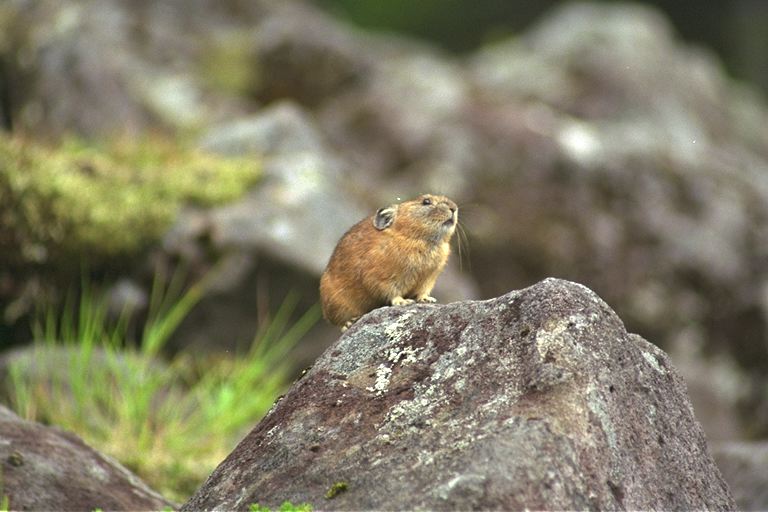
<point x="395" y="264"/>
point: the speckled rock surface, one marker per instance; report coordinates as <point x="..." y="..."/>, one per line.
<point x="45" y="468"/>
<point x="538" y="399"/>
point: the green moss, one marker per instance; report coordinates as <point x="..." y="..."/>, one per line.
<point x="108" y="201"/>
<point x="287" y="506"/>
<point x="336" y="489"/>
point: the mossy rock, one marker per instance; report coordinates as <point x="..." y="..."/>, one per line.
<point x="109" y="201"/>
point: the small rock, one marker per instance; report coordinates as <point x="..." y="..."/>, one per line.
<point x="48" y="469"/>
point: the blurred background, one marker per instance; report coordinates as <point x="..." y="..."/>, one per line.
<point x="732" y="29"/>
<point x="190" y="165"/>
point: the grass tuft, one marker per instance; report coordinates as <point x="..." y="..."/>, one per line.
<point x="171" y="422"/>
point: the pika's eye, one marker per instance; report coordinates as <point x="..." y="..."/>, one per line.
<point x="427" y="201"/>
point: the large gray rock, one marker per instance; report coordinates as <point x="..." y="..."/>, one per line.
<point x="45" y="468"/>
<point x="304" y="201"/>
<point x="538" y="399"/>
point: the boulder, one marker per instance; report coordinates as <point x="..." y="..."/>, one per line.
<point x="538" y="399"/>
<point x="304" y="202"/>
<point x="45" y="468"/>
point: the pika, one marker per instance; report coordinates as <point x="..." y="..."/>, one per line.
<point x="390" y="258"/>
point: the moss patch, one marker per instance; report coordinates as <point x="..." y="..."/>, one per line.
<point x="336" y="489"/>
<point x="287" y="506"/>
<point x="104" y="201"/>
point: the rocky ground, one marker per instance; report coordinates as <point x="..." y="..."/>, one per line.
<point x="595" y="146"/>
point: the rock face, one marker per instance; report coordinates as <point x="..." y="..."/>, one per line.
<point x="538" y="399"/>
<point x="46" y="468"/>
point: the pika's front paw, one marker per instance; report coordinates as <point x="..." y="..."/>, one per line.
<point x="401" y="301"/>
<point x="427" y="299"/>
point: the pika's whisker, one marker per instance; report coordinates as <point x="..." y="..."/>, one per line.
<point x="462" y="243"/>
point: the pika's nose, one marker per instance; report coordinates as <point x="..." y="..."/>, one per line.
<point x="453" y="208"/>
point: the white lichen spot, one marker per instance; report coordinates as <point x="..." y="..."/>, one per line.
<point x="406" y="411"/>
<point x="554" y="336"/>
<point x="406" y="355"/>
<point x="381" y="383"/>
<point x="384" y="371"/>
<point x="551" y="338"/>
<point x="396" y="330"/>
<point x="579" y="321"/>
<point x="596" y="405"/>
<point x="654" y="363"/>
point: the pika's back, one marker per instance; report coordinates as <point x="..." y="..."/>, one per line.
<point x="391" y="257"/>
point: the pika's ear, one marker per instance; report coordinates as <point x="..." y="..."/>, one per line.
<point x="384" y="217"/>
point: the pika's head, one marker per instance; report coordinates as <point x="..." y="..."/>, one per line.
<point x="428" y="216"/>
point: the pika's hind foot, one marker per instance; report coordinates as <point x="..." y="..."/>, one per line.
<point x="349" y="323"/>
<point x="401" y="301"/>
<point x="426" y="299"/>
